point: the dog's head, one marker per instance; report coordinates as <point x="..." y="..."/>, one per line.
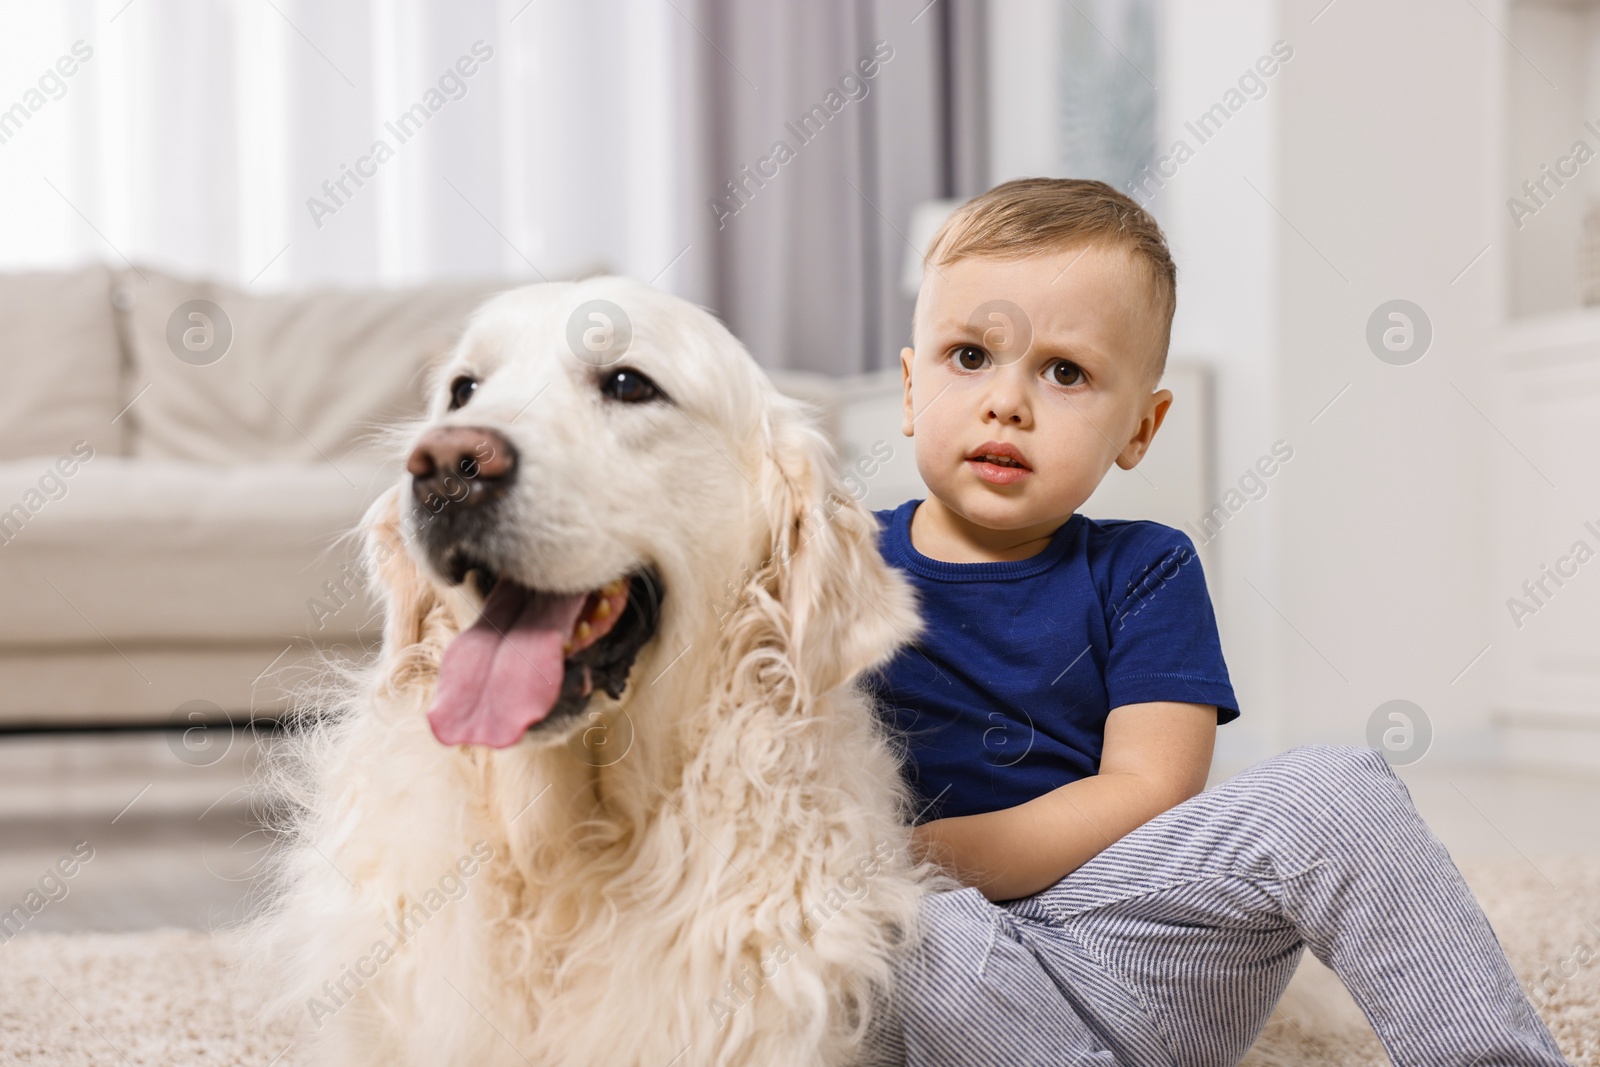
<point x="605" y="481"/>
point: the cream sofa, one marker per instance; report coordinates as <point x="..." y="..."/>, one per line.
<point x="169" y="519"/>
<point x="194" y="566"/>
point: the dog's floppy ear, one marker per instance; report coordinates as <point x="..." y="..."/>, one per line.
<point x="417" y="624"/>
<point x="847" y="610"/>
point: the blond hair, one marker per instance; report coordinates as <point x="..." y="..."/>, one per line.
<point x="1032" y="215"/>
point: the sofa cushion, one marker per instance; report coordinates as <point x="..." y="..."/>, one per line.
<point x="126" y="550"/>
<point x="154" y="685"/>
<point x="290" y="376"/>
<point x="61" y="361"/>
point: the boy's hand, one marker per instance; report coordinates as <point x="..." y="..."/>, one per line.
<point x="1155" y="757"/>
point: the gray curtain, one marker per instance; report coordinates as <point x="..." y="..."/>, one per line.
<point x="812" y="162"/>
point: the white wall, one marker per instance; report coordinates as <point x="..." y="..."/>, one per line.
<point x="1369" y="171"/>
<point x="1551" y="102"/>
<point x="1222" y="236"/>
<point x="1389" y="182"/>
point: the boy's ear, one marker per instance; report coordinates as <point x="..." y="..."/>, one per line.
<point x="1154" y="413"/>
<point x="907" y="416"/>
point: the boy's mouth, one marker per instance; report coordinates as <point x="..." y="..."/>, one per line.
<point x="998" y="463"/>
<point x="1000" y="454"/>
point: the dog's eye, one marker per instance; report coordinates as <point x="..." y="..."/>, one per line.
<point x="630" y="387"/>
<point x="461" y="391"/>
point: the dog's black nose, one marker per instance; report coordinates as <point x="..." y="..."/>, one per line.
<point x="465" y="465"/>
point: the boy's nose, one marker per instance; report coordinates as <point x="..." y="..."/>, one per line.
<point x="1008" y="401"/>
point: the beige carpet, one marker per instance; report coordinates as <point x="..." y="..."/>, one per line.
<point x="167" y="997"/>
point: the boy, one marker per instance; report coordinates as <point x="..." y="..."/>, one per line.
<point x="1060" y="709"/>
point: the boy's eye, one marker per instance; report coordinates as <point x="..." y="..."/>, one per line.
<point x="1064" y="373"/>
<point x="970" y="357"/>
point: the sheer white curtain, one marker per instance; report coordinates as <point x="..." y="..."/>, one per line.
<point x="277" y="143"/>
<point x="219" y="138"/>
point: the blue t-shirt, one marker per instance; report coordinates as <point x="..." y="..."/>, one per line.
<point x="1005" y="695"/>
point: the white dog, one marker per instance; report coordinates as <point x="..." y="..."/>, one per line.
<point x="609" y="795"/>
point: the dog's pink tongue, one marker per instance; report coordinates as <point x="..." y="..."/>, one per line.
<point x="504" y="674"/>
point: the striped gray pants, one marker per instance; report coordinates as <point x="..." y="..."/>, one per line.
<point x="1173" y="945"/>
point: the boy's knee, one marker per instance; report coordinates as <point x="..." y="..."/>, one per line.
<point x="1350" y="773"/>
<point x="1334" y="761"/>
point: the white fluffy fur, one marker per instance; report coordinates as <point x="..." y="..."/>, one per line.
<point x="623" y="894"/>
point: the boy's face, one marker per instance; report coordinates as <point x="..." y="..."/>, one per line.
<point x="1045" y="364"/>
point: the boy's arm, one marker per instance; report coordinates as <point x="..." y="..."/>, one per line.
<point x="1155" y="757"/>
